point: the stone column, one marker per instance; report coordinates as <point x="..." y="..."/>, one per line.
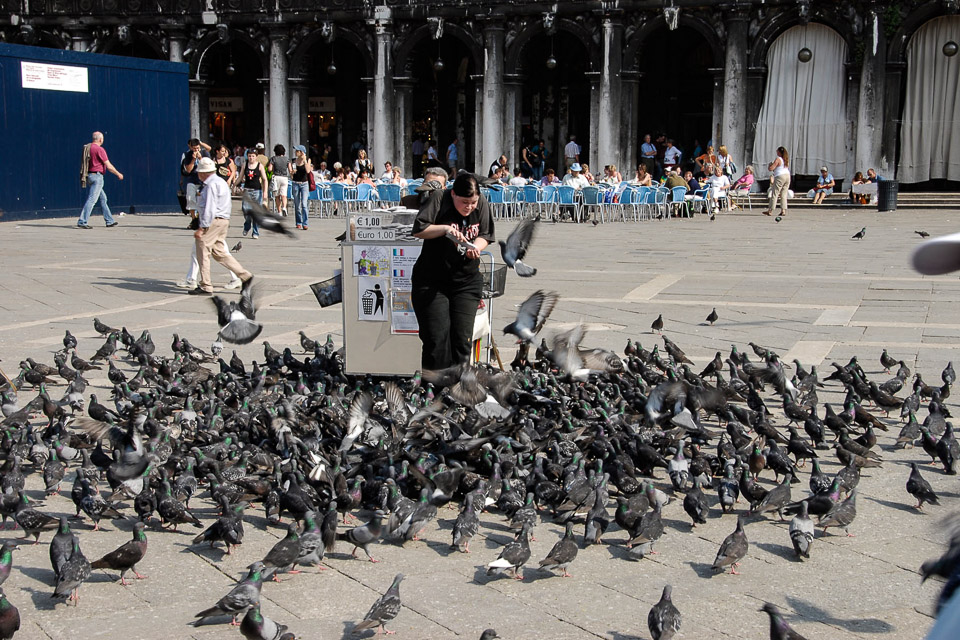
<point x="851" y="109"/>
<point x="479" y="162"/>
<point x="382" y="145"/>
<point x="735" y="87"/>
<point x="512" y="107"/>
<point x="176" y="36"/>
<point x="756" y="85"/>
<point x="716" y="128"/>
<point x="629" y="101"/>
<point x="492" y="142"/>
<point x="199" y="109"/>
<point x="591" y="156"/>
<point x="608" y="143"/>
<point x="279" y="128"/>
<point x="891" y="118"/>
<point x="298" y="114"/>
<point x="265" y="84"/>
<point x="870" y="108"/>
<point x="403" y="137"/>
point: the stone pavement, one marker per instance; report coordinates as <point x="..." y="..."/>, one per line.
<point x="800" y="287"/>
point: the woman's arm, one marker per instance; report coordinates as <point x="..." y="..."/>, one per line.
<point x="437" y="230"/>
<point x="264" y="184"/>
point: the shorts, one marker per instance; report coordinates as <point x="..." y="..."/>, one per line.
<point x="278" y="186"/>
<point x="191" y="193"/>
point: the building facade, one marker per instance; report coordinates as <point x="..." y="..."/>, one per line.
<point x="494" y="76"/>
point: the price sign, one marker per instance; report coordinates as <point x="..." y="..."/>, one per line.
<point x="375" y="234"/>
<point x="369" y="221"/>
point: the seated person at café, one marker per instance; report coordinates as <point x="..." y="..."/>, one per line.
<point x="549" y="177"/>
<point x="575" y="178"/>
<point x="859" y="198"/>
<point x="707" y="158"/>
<point x="517" y="180"/>
<point x="718" y="184"/>
<point x="398" y="178"/>
<point x="586" y="174"/>
<point x="323" y="172"/>
<point x="692" y="183"/>
<point x="642" y="177"/>
<point x="674" y="179"/>
<point x="610" y="175"/>
<point x="387" y="174"/>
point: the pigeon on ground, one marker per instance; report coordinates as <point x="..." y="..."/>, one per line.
<point x="73" y="573"/>
<point x="466" y="526"/>
<point x="713" y="317"/>
<point x="6" y="559"/>
<point x="489" y="634"/>
<point x="383" y="610"/>
<point x="695" y="504"/>
<point x="563" y="553"/>
<point x="663" y="621"/>
<point x="919" y="488"/>
<point x="256" y="626"/>
<point x="657" y="324"/>
<point x="532" y="314"/>
<point x="515" y="248"/>
<point x="801" y="532"/>
<point x="514" y="555"/>
<point x="922" y="234"/>
<point x="363" y="536"/>
<point x="283" y="555"/>
<point x="236" y="319"/>
<point x="779" y="629"/>
<point x="263" y="217"/>
<point x="841" y="515"/>
<point x="243" y="596"/>
<point x="236" y="248"/>
<point x="101" y="328"/>
<point x="9" y="618"/>
<point x="859" y="234"/>
<point x="733" y="549"/>
<point x="126" y="557"/>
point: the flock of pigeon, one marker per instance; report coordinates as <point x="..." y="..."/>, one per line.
<point x="586" y="437"/>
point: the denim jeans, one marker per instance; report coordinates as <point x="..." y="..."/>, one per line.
<point x="248" y="222"/>
<point x="95" y="194"/>
<point x="301" y="193"/>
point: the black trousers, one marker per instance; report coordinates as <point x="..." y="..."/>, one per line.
<point x="446" y="314"/>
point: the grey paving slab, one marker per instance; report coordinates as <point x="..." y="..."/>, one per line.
<point x="800" y="285"/>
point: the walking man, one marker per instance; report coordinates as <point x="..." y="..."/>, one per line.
<point x="453" y="156"/>
<point x="571" y="152"/>
<point x="94" y="163"/>
<point x="214" y="210"/>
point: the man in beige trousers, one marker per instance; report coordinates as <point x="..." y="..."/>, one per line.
<point x="213" y="206"/>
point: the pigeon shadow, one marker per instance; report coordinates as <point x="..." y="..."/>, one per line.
<point x="893" y="505"/>
<point x="442" y="549"/>
<point x="855" y="625"/>
<point x="43" y="600"/>
<point x="619" y="551"/>
<point x="497" y="526"/>
<point x="779" y="550"/>
<point x="616" y="635"/>
<point x="703" y="570"/>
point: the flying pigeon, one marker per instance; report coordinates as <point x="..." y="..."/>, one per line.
<point x="532" y="314"/>
<point x="515" y="248"/>
<point x="263" y="217"/>
<point x="236" y="319"/>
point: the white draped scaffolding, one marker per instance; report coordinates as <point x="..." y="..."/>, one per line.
<point x="930" y="134"/>
<point x="804" y="104"/>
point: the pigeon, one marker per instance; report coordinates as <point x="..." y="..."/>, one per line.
<point x="532" y="314"/>
<point x="263" y="217"/>
<point x="657" y="324"/>
<point x="489" y="634"/>
<point x="61" y="546"/>
<point x="713" y="317"/>
<point x="922" y="234"/>
<point x="733" y="549"/>
<point x="363" y="536"/>
<point x="256" y="626"/>
<point x="563" y="552"/>
<point x="695" y="504"/>
<point x="236" y="319"/>
<point x="514" y="555"/>
<point x="841" y="515"/>
<point x="73" y="573"/>
<point x="801" y="532"/>
<point x="383" y="610"/>
<point x="663" y="621"/>
<point x="243" y="596"/>
<point x="69" y="341"/>
<point x="6" y="559"/>
<point x="236" y="248"/>
<point x="126" y="557"/>
<point x="466" y="526"/>
<point x="515" y="248"/>
<point x="9" y="618"/>
<point x="779" y="629"/>
<point x="101" y="328"/>
<point x="283" y="555"/>
<point x="859" y="234"/>
<point x="919" y="488"/>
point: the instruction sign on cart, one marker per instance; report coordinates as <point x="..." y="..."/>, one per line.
<point x="372" y="298"/>
<point x="402" y="317"/>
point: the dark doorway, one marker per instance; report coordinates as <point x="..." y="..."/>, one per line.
<point x="136" y="48"/>
<point x="676" y="88"/>
<point x="235" y="94"/>
<point x="556" y="95"/>
<point x="444" y="97"/>
<point x="337" y="100"/>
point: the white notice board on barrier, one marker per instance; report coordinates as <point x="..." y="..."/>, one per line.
<point x="379" y="326"/>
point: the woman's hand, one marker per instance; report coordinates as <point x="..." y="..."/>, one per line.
<point x="455" y="233"/>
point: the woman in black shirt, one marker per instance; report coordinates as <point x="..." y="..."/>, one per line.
<point x="446" y="278"/>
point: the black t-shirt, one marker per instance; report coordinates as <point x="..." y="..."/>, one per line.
<point x="251" y="177"/>
<point x="191" y="177"/>
<point x="441" y="260"/>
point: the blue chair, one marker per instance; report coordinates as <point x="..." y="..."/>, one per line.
<point x="496" y="196"/>
<point x="628" y="198"/>
<point x="592" y="200"/>
<point x="567" y="196"/>
<point x="513" y="195"/>
<point x="662" y="204"/>
<point x="646" y="202"/>
<point x="365" y="194"/>
<point x="699" y="200"/>
<point x="338" y="194"/>
<point x="678" y="201"/>
<point x="389" y="193"/>
<point x="548" y="199"/>
<point x="531" y="198"/>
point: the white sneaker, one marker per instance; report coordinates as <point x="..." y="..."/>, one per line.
<point x="187" y="284"/>
<point x="234" y="284"/>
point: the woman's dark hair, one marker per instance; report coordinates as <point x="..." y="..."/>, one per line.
<point x="466" y="186"/>
<point x="858" y="176"/>
<point x="783" y="154"/>
<point x="279" y="150"/>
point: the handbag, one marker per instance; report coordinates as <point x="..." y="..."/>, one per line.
<point x="311" y="182"/>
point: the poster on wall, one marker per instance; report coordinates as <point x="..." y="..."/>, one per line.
<point x="370" y="260"/>
<point x="371" y="300"/>
<point x="402" y="318"/>
<point x="402" y="260"/>
<point x="53" y="77"/>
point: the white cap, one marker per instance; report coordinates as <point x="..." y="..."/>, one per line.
<point x="938" y="256"/>
<point x="206" y="165"/>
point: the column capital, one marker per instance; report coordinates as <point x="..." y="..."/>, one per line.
<point x="277" y="32"/>
<point x="736" y="13"/>
<point x="492" y="22"/>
